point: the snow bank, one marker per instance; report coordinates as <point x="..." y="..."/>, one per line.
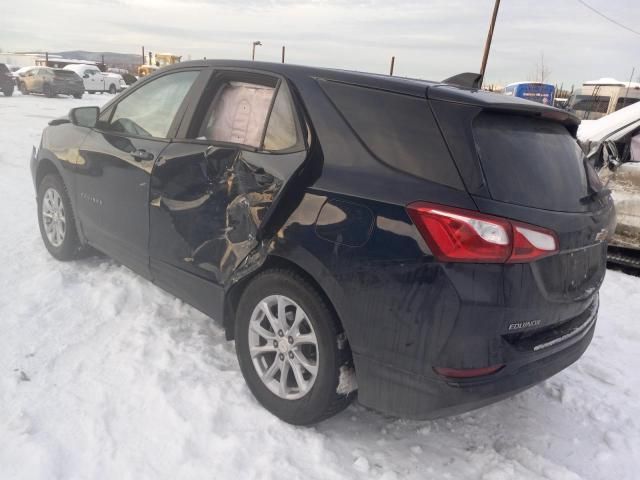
<point x="104" y="376"/>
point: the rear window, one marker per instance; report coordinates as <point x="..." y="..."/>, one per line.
<point x="531" y="162"/>
<point x="398" y="129"/>
<point x="65" y="73"/>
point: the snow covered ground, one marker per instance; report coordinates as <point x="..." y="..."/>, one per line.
<point x="104" y="376"/>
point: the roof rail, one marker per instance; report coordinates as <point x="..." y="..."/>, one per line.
<point x="466" y="80"/>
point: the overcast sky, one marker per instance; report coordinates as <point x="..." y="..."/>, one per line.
<point x="430" y="39"/>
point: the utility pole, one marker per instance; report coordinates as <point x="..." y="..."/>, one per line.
<point x="393" y="62"/>
<point x="626" y="95"/>
<point x="487" y="45"/>
<point x="283" y="54"/>
<point x="144" y="60"/>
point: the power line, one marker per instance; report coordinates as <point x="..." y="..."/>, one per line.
<point x="608" y="18"/>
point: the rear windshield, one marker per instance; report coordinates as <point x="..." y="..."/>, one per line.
<point x="531" y="162"/>
<point x="64" y="73"/>
<point x="398" y="129"/>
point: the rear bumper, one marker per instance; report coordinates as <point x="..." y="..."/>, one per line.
<point x="68" y="89"/>
<point x="398" y="392"/>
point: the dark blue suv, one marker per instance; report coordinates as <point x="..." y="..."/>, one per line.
<point x="431" y="247"/>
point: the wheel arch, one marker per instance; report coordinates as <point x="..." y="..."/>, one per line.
<point x="46" y="167"/>
<point x="234" y="293"/>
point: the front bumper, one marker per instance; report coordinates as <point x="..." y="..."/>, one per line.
<point x="401" y="393"/>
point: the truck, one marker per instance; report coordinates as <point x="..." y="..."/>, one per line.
<point x="598" y="98"/>
<point x="96" y="81"/>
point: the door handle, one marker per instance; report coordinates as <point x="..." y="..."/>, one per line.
<point x="141" y="154"/>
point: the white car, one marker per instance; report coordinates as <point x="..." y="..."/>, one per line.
<point x="612" y="144"/>
<point x="97" y="81"/>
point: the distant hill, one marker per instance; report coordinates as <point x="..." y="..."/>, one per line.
<point x="110" y="58"/>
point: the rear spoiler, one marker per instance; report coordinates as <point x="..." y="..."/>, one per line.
<point x="465" y="80"/>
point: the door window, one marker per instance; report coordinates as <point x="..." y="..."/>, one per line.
<point x="238" y="114"/>
<point x="150" y="110"/>
<point x="246" y="113"/>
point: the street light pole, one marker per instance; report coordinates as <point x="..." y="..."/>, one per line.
<point x="253" y="51"/>
<point x="487" y="45"/>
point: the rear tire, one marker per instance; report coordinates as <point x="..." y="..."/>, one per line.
<point x="77" y="95"/>
<point x="8" y="92"/>
<point x="112" y="89"/>
<point x="56" y="219"/>
<point x="306" y="397"/>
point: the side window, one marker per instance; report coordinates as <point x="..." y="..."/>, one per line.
<point x="238" y="114"/>
<point x="150" y="110"/>
<point x="281" y="131"/>
<point x="399" y="130"/>
<point x="246" y="113"/>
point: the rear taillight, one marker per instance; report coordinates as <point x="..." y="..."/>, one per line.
<point x="458" y="235"/>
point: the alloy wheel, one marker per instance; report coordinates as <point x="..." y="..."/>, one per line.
<point x="53" y="217"/>
<point x="283" y="347"/>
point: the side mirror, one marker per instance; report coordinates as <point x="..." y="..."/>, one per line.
<point x="84" y="116"/>
<point x="86" y="75"/>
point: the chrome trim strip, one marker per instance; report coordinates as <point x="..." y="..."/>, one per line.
<point x="566" y="336"/>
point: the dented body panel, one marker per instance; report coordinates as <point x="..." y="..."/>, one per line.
<point x="613" y="146"/>
<point x="214" y="214"/>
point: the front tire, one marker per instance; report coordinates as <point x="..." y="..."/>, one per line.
<point x="77" y="95"/>
<point x="288" y="343"/>
<point x="56" y="219"/>
<point x="112" y="89"/>
<point x="23" y="89"/>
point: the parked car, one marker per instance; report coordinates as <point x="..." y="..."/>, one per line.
<point x="6" y="81"/>
<point x="49" y="82"/>
<point x="434" y="247"/>
<point x="97" y="81"/>
<point x="612" y="144"/>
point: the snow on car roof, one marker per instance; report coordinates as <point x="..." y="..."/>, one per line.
<point x="598" y="129"/>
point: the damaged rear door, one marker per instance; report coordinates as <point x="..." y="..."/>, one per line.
<point x="214" y="190"/>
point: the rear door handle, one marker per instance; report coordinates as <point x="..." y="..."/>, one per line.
<point x="140" y="155"/>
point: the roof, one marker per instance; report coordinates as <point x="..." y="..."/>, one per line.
<point x="406" y="86"/>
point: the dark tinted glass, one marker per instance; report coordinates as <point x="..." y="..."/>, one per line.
<point x="531" y="162"/>
<point x="398" y="129"/>
<point x="589" y="103"/>
<point x="3" y="68"/>
<point x="625" y="102"/>
<point x="64" y="73"/>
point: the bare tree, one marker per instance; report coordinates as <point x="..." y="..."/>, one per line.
<point x="542" y="71"/>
